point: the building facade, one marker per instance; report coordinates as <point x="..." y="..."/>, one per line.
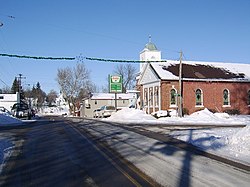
<point x="8" y="100"/>
<point x="97" y="100"/>
<point x="220" y="87"/>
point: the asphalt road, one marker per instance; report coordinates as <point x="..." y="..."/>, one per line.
<point x="53" y="153"/>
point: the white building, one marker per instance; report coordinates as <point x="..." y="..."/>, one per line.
<point x="8" y="100"/>
<point x="97" y="100"/>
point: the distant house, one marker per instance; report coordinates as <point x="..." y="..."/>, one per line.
<point x="221" y="87"/>
<point x="97" y="100"/>
<point x="8" y="100"/>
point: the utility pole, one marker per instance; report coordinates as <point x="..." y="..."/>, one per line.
<point x="19" y="79"/>
<point x="180" y="87"/>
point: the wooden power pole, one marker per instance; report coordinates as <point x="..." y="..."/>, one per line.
<point x="180" y="88"/>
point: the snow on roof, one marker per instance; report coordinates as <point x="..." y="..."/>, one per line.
<point x="109" y="96"/>
<point x="203" y="70"/>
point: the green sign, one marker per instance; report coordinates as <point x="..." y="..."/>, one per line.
<point x="115" y="83"/>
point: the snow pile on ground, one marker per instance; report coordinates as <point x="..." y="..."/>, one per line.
<point x="59" y="110"/>
<point x="207" y="117"/>
<point x="240" y="142"/>
<point x="6" y="119"/>
<point x="231" y="143"/>
<point x="203" y="117"/>
<point x="128" y="114"/>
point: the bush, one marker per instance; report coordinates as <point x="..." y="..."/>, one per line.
<point x="185" y="111"/>
<point x="212" y="110"/>
<point x="232" y="111"/>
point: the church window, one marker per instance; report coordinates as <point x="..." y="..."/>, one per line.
<point x="151" y="96"/>
<point x="198" y="97"/>
<point x="173" y="97"/>
<point x="226" y="97"/>
<point x="146" y="97"/>
<point x="156" y="95"/>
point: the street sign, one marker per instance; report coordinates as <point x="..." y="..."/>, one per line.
<point x="115" y="83"/>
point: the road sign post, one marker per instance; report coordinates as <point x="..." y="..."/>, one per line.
<point x="115" y="86"/>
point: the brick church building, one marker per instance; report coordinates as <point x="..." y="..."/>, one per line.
<point x="220" y="87"/>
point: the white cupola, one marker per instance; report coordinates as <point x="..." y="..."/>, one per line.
<point x="149" y="53"/>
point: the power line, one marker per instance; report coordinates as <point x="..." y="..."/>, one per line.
<point x="37" y="57"/>
<point x="79" y="58"/>
<point x="4" y="83"/>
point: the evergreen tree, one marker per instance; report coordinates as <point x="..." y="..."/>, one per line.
<point x="15" y="86"/>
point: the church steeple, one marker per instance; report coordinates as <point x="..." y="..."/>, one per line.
<point x="150" y="53"/>
<point x="149" y="39"/>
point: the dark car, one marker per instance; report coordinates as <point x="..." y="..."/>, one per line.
<point x="21" y="110"/>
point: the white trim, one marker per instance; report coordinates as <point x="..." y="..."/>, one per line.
<point x="199" y="106"/>
<point x="225" y="106"/>
<point x="173" y="106"/>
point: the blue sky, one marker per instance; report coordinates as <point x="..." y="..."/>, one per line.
<point x="206" y="30"/>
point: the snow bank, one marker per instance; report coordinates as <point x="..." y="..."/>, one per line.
<point x="203" y="117"/>
<point x="6" y="119"/>
<point x="240" y="141"/>
<point x="128" y="114"/>
<point x="207" y="117"/>
<point x="59" y="110"/>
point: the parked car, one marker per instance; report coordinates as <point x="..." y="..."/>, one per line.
<point x="21" y="110"/>
<point x="107" y="111"/>
<point x="96" y="113"/>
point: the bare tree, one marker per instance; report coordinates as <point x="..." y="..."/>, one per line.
<point x="74" y="84"/>
<point x="51" y="97"/>
<point x="128" y="72"/>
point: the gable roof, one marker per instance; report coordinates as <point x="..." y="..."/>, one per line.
<point x="195" y="70"/>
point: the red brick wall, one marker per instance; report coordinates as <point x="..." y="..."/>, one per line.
<point x="212" y="95"/>
<point x="166" y="87"/>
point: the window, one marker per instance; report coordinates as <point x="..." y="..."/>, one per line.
<point x="173" y="97"/>
<point x="198" y="97"/>
<point x="226" y="97"/>
<point x="151" y="96"/>
<point x="1" y="97"/>
<point x="156" y="94"/>
<point x="145" y="97"/>
<point x="95" y="102"/>
<point x="248" y="100"/>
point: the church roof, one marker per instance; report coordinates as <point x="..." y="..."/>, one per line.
<point x="194" y="70"/>
<point x="150" y="46"/>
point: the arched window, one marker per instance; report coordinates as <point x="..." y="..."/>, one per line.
<point x="151" y="96"/>
<point x="173" y="97"/>
<point x="145" y="97"/>
<point x="156" y="95"/>
<point x="248" y="100"/>
<point x="198" y="97"/>
<point x="226" y="97"/>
